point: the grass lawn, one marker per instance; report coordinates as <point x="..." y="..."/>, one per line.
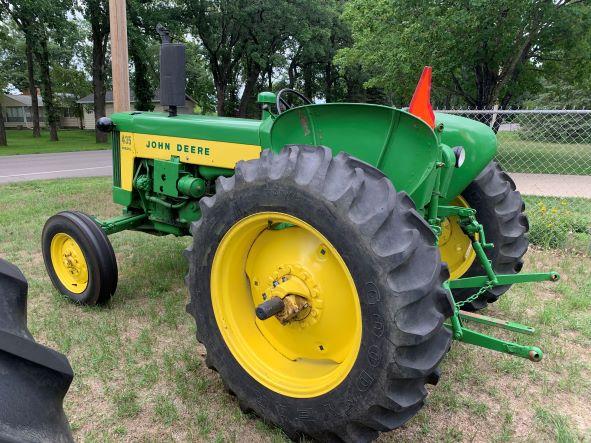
<point x="22" y="142"/>
<point x="520" y="155"/>
<point x="141" y="376"/>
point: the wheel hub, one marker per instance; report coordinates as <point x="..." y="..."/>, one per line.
<point x="300" y="293"/>
<point x="69" y="263"/>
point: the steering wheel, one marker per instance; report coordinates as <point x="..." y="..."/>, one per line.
<point x="280" y="102"/>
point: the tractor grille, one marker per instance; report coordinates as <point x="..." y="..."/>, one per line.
<point x="116" y="160"/>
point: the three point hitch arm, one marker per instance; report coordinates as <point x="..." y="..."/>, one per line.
<point x="469" y="224"/>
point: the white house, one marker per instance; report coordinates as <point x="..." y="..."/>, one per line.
<point x="88" y="102"/>
<point x="16" y="110"/>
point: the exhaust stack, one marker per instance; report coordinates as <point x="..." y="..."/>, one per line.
<point x="172" y="72"/>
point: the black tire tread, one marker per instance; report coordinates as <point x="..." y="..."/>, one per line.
<point x="402" y="246"/>
<point x="506" y="226"/>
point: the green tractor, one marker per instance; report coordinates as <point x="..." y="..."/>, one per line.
<point x="337" y="250"/>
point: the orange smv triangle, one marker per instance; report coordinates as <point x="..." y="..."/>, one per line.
<point x="420" y="105"/>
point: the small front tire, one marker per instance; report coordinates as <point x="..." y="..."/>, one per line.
<point x="79" y="258"/>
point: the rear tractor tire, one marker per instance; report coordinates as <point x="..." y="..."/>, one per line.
<point x="500" y="209"/>
<point x="79" y="258"/>
<point x="360" y="281"/>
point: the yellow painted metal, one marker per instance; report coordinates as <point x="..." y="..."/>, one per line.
<point x="455" y="246"/>
<point x="69" y="263"/>
<point x="312" y="354"/>
<point x="189" y="150"/>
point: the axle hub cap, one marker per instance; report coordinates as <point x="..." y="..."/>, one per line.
<point x="69" y="263"/>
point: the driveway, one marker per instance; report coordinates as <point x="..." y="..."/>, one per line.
<point x="15" y="168"/>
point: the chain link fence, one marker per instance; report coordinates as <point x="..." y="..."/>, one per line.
<point x="548" y="154"/>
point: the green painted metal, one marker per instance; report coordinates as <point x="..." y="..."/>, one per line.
<point x="479" y="143"/>
<point x="212" y="172"/>
<point x="202" y="127"/>
<point x="191" y="186"/>
<point x="491" y="321"/>
<point x="122" y="223"/>
<point x="405" y="148"/>
<point x="266" y="97"/>
<point x="472" y="337"/>
<point x="122" y="197"/>
<point x="504" y="279"/>
<point x="166" y="175"/>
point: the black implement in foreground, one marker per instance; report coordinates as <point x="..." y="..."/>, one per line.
<point x="33" y="379"/>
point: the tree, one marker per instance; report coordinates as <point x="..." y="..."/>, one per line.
<point x="24" y="17"/>
<point x="40" y="20"/>
<point x="96" y="13"/>
<point x="4" y="39"/>
<point x="483" y="51"/>
<point x="217" y="25"/>
<point x="199" y="80"/>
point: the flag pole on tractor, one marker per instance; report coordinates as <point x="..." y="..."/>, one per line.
<point x="119" y="61"/>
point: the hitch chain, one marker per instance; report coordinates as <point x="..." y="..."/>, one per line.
<point x="474" y="296"/>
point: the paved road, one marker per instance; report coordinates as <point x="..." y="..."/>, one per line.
<point x="553" y="185"/>
<point x="98" y="163"/>
<point x="15" y="168"/>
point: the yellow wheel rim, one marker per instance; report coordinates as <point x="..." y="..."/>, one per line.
<point x="274" y="254"/>
<point x="69" y="263"/>
<point x="455" y="246"/>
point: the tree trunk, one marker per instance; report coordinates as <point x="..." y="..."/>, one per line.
<point x="32" y="86"/>
<point x="249" y="87"/>
<point x="328" y="83"/>
<point x="98" y="81"/>
<point x="49" y="105"/>
<point x="2" y="128"/>
<point x="308" y="80"/>
<point x="220" y="93"/>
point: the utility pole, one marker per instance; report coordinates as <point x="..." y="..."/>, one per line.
<point x="119" y="60"/>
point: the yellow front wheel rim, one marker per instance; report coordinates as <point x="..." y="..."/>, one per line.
<point x="455" y="246"/>
<point x="69" y="263"/>
<point x="272" y="254"/>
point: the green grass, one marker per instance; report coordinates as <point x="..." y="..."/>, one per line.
<point x="141" y="375"/>
<point x="22" y="142"/>
<point x="560" y="223"/>
<point x="519" y="155"/>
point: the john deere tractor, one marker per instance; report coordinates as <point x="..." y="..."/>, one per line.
<point x="337" y="251"/>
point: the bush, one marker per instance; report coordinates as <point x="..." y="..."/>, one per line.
<point x="553" y="224"/>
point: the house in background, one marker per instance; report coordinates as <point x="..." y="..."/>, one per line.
<point x="88" y="102"/>
<point x="16" y="112"/>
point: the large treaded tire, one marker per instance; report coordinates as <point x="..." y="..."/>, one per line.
<point x="390" y="252"/>
<point x="500" y="209"/>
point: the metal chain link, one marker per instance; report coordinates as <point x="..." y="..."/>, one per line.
<point x="474" y="296"/>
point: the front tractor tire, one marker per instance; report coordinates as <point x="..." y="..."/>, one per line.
<point x="360" y="279"/>
<point x="79" y="258"/>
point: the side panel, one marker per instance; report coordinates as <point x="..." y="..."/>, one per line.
<point x="188" y="150"/>
<point x="479" y="142"/>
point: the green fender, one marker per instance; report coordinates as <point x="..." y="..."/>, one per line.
<point x="399" y="144"/>
<point x="478" y="140"/>
<point x="402" y="146"/>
